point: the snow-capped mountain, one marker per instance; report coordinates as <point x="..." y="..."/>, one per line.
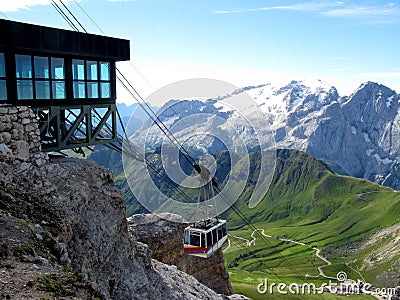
<point x="293" y="109"/>
<point x="358" y="134"/>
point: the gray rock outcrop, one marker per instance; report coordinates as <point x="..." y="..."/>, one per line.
<point x="361" y="134"/>
<point x="164" y="235"/>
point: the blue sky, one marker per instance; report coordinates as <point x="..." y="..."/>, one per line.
<point x="343" y="43"/>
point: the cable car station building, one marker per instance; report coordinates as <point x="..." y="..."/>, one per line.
<point x="67" y="78"/>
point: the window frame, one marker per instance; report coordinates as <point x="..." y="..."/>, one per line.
<point x="3" y="79"/>
<point x="25" y="79"/>
<point x="61" y="90"/>
<point x="87" y="82"/>
<point x="195" y="238"/>
<point x="34" y="80"/>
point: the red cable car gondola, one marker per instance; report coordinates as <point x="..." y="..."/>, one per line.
<point x="205" y="237"/>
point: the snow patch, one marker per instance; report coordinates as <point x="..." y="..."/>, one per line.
<point x="380" y="160"/>
<point x="315" y="85"/>
<point x="379" y="96"/>
<point x="389" y="101"/>
<point x="222" y="107"/>
<point x="353" y="130"/>
<point x="296" y="103"/>
<point x="387" y="176"/>
<point x="321" y="95"/>
<point x="369" y="151"/>
<point x="366" y="137"/>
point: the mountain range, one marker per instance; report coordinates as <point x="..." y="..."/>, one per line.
<point x="357" y="135"/>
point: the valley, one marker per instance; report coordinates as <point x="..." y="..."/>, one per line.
<point x="298" y="248"/>
<point x="315" y="220"/>
<point x="309" y="216"/>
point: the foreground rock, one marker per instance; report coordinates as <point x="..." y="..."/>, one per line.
<point x="84" y="229"/>
<point x="164" y="235"/>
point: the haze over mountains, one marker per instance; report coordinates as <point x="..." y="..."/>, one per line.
<point x="358" y="135"/>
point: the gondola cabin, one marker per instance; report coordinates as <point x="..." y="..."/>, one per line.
<point x="205" y="237"/>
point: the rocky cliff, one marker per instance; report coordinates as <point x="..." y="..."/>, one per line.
<point x="164" y="235"/>
<point x="64" y="229"/>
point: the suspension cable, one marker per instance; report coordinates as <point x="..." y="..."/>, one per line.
<point x="180" y="147"/>
<point x="63" y="15"/>
<point x="73" y="16"/>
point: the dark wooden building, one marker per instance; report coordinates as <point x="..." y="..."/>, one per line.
<point x="67" y="78"/>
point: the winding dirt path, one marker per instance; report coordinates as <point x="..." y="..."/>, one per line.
<point x="252" y="242"/>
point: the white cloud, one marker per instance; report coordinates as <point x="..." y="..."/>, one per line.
<point x="307" y="6"/>
<point x="331" y="9"/>
<point x="14" y="5"/>
<point x="362" y="11"/>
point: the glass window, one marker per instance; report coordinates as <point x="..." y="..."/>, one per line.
<point x="78" y="69"/>
<point x="220" y="233"/>
<point x="40" y="77"/>
<point x="3" y="85"/>
<point x="25" y="89"/>
<point x="186" y="238"/>
<point x="42" y="89"/>
<point x="57" y="68"/>
<point x="91" y="79"/>
<point x="2" y="66"/>
<point x="41" y="67"/>
<point x="93" y="90"/>
<point x="105" y="84"/>
<point x="104" y="71"/>
<point x="209" y="239"/>
<point x="79" y="89"/>
<point x="3" y="90"/>
<point x="224" y="231"/>
<point x="203" y="240"/>
<point x="58" y="73"/>
<point x="195" y="239"/>
<point x="23" y="66"/>
<point x="105" y="89"/>
<point x="214" y="235"/>
<point x="91" y="68"/>
<point x="58" y="88"/>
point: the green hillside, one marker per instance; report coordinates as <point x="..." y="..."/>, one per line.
<point x="309" y="204"/>
<point x="353" y="222"/>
